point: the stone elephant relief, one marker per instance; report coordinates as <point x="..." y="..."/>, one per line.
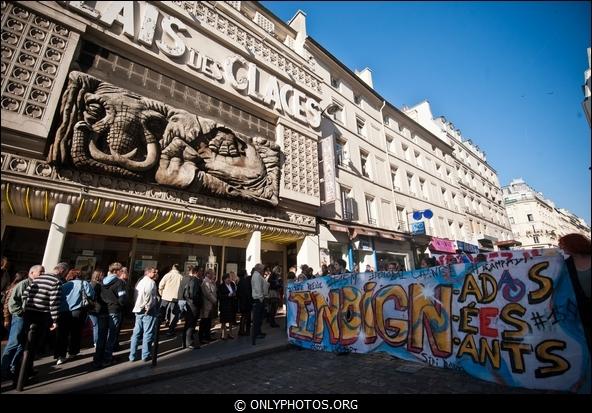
<point x="111" y="130"/>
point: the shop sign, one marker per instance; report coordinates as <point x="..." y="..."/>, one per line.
<point x="88" y="253"/>
<point x="418" y="228"/>
<point x="327" y="147"/>
<point x="443" y="245"/>
<point x="269" y="91"/>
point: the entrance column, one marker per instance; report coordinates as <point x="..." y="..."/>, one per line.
<point x="56" y="237"/>
<point x="253" y="251"/>
<point x="308" y="252"/>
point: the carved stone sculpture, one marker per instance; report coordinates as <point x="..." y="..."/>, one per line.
<point x="110" y="130"/>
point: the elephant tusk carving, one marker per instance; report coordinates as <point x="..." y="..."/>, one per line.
<point x="128" y="155"/>
<point x="123" y="160"/>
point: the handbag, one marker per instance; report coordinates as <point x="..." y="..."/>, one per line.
<point x="86" y="303"/>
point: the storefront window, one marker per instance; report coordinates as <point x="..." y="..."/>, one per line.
<point x="23" y="247"/>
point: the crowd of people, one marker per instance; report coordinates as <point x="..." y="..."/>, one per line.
<point x="58" y="304"/>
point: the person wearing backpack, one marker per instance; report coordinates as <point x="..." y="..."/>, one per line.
<point x="191" y="294"/>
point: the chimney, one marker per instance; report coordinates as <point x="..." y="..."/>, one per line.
<point x="298" y="23"/>
<point x="366" y="76"/>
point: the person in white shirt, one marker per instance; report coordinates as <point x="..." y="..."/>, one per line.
<point x="146" y="311"/>
<point x="258" y="286"/>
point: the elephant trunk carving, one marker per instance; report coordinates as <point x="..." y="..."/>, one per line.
<point x="111" y="130"/>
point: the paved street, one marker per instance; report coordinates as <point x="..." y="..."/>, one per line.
<point x="304" y="371"/>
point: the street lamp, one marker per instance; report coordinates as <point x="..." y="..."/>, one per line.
<point x="331" y="109"/>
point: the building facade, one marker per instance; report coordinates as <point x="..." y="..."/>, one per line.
<point x="536" y="221"/>
<point x="157" y="133"/>
<point x="476" y="190"/>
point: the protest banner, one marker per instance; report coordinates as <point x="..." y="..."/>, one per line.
<point x="511" y="321"/>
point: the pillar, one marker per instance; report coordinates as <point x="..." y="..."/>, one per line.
<point x="56" y="237"/>
<point x="253" y="251"/>
<point x="308" y="252"/>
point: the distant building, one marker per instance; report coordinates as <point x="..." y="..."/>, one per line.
<point x="535" y="220"/>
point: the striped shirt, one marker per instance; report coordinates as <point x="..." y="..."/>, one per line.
<point x="43" y="295"/>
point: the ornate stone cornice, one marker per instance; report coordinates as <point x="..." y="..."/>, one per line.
<point x="31" y="188"/>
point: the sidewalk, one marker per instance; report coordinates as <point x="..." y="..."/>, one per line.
<point x="75" y="375"/>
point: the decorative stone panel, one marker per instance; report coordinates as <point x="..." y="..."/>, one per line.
<point x="33" y="51"/>
<point x="301" y="169"/>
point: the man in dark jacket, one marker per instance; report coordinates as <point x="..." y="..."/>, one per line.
<point x="245" y="303"/>
<point x="114" y="294"/>
<point x="191" y="294"/>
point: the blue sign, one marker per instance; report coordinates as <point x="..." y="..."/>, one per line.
<point x="418" y="228"/>
<point x="426" y="213"/>
<point x="466" y="247"/>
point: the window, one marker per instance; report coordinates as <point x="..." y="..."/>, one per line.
<point x="407" y="153"/>
<point x="341" y="153"/>
<point x="339" y="114"/>
<point x="387" y="217"/>
<point x="366" y="169"/>
<point x="422" y="189"/>
<point x="402" y="223"/>
<point x="358" y="100"/>
<point x="395" y="178"/>
<point x="535" y="239"/>
<point x="439" y="169"/>
<point x="348" y="204"/>
<point x="335" y="82"/>
<point x="530" y="218"/>
<point x="390" y="147"/>
<point x="380" y="171"/>
<point x="410" y="184"/>
<point x="418" y="159"/>
<point x="387" y="121"/>
<point x="361" y="127"/>
<point x="370" y="210"/>
<point x="445" y="198"/>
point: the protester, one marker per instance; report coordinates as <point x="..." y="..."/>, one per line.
<point x="245" y="304"/>
<point x="579" y="265"/>
<point x="146" y="309"/>
<point x="72" y="316"/>
<point x="227" y="295"/>
<point x="168" y="289"/>
<point x="16" y="340"/>
<point x="258" y="288"/>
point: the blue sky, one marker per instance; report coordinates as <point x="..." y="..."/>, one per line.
<point x="509" y="75"/>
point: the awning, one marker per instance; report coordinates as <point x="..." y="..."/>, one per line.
<point x="355" y="231"/>
<point x="508" y="244"/>
<point x="442" y="245"/>
<point x="485" y="244"/>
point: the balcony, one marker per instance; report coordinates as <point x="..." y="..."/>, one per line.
<point x="348" y="215"/>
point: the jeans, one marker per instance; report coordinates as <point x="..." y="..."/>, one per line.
<point x="94" y="319"/>
<point x="102" y="333"/>
<point x="145" y="326"/>
<point x="14" y="347"/>
<point x="173" y="313"/>
<point x="112" y="335"/>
